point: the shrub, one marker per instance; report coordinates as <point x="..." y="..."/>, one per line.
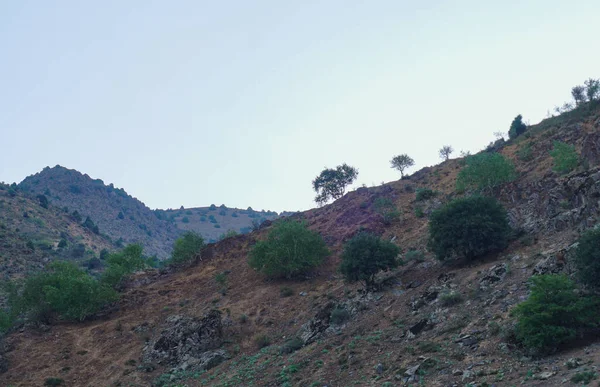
<point x="419" y="213"/>
<point x="517" y="127"/>
<point x="286" y="291"/>
<point x="425" y="194"/>
<point x="262" y="341"/>
<point x="53" y="382"/>
<point x="332" y="183"/>
<point x="76" y="216"/>
<point x="587" y="258"/>
<point x="450" y="298"/>
<point x="339" y="316"/>
<point x="468" y="227"/>
<point x="365" y="255"/>
<point x="187" y="248"/>
<point x="565" y="157"/>
<point x="553" y="314"/>
<point x="388" y="211"/>
<point x="592" y="89"/>
<point x="290" y="249"/>
<point x="122" y="264"/>
<point x="221" y="279"/>
<point x="78" y="250"/>
<point x="402" y="162"/>
<point x="89" y="224"/>
<point x="485" y="171"/>
<point x="185" y="219"/>
<point x="229" y="234"/>
<point x="578" y="94"/>
<point x="5" y="321"/>
<point x="525" y="153"/>
<point x="584" y="377"/>
<point x="291" y="345"/>
<point x="43" y="200"/>
<point x="65" y="290"/>
<point x="414" y="255"/>
<point x="217" y="226"/>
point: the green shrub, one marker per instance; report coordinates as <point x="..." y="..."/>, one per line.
<point x="565" y="157"/>
<point x="53" y="382"/>
<point x="365" y="255"/>
<point x="43" y="201"/>
<point x="5" y="321"/>
<point x="419" y="213"/>
<point x="517" y="127"/>
<point x="62" y="243"/>
<point x="339" y="316"/>
<point x="122" y="264"/>
<point x="217" y="226"/>
<point x="587" y="258"/>
<point x="525" y="153"/>
<point x="485" y="171"/>
<point x="286" y="291"/>
<point x="187" y="248"/>
<point x="229" y="234"/>
<point x="468" y="227"/>
<point x="387" y="210"/>
<point x="584" y="377"/>
<point x="63" y="289"/>
<point x="78" y="250"/>
<point x="89" y="224"/>
<point x="414" y="255"/>
<point x="553" y="314"/>
<point x="291" y="345"/>
<point x="185" y="219"/>
<point x="450" y="298"/>
<point x="425" y="194"/>
<point x="290" y="249"/>
<point x="262" y="341"/>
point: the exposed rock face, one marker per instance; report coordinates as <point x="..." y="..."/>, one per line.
<point x="552" y="205"/>
<point x="313" y="329"/>
<point x="188" y="343"/>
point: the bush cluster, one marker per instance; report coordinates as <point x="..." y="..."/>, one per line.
<point x="290" y="249"/>
<point x="187" y="248"/>
<point x="468" y="227"/>
<point x="485" y="171"/>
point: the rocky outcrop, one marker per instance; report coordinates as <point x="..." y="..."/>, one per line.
<point x="188" y="343"/>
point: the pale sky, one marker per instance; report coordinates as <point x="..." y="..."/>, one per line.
<point x="245" y="102"/>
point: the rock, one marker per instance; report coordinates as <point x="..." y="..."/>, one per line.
<point x="493" y="275"/>
<point x="457" y="372"/>
<point x="188" y="343"/>
<point x="315" y="328"/>
<point x="379" y="369"/>
<point x="545" y="375"/>
<point x="418" y="327"/>
<point x="552" y="264"/>
<point x="410" y="372"/>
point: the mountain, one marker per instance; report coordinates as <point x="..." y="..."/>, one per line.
<point x="410" y="332"/>
<point x="118" y="215"/>
<point x="33" y="234"/>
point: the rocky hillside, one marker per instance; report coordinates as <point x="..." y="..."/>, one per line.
<point x="212" y="222"/>
<point x="174" y="328"/>
<point x="117" y="214"/>
<point x="32" y="235"/>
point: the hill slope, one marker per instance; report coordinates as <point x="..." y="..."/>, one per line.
<point x="31" y="235"/>
<point x="406" y="334"/>
<point x="117" y="214"/>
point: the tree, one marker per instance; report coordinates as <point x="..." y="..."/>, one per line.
<point x="553" y="314"/>
<point x="468" y="227"/>
<point x="43" y="201"/>
<point x="289" y="250"/>
<point x="578" y="93"/>
<point x="365" y="255"/>
<point x="445" y="152"/>
<point x="123" y="263"/>
<point x="587" y="258"/>
<point x="565" y="157"/>
<point x="187" y="248"/>
<point x="402" y="162"/>
<point x="517" y="127"/>
<point x="592" y="89"/>
<point x="332" y="183"/>
<point x="485" y="171"/>
<point x="89" y="224"/>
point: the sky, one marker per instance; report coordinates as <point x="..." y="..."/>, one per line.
<point x="243" y="103"/>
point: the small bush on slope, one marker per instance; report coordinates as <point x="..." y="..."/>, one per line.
<point x="290" y="249"/>
<point x="485" y="171"/>
<point x="468" y="227"/>
<point x="365" y="255"/>
<point x="187" y="247"/>
<point x="123" y="263"/>
<point x="588" y="258"/>
<point x="388" y="211"/>
<point x="553" y="314"/>
<point x="565" y="157"/>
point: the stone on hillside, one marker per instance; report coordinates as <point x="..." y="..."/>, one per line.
<point x="493" y="275"/>
<point x="188" y="343"/>
<point x="315" y="328"/>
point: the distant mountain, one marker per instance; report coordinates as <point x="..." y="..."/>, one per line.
<point x="33" y="234"/>
<point x="125" y="219"/>
<point x="212" y="222"/>
<point x="118" y="215"/>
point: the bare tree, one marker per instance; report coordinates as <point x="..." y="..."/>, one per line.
<point x="578" y="93"/>
<point x="499" y="135"/>
<point x="402" y="162"/>
<point x="445" y="152"/>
